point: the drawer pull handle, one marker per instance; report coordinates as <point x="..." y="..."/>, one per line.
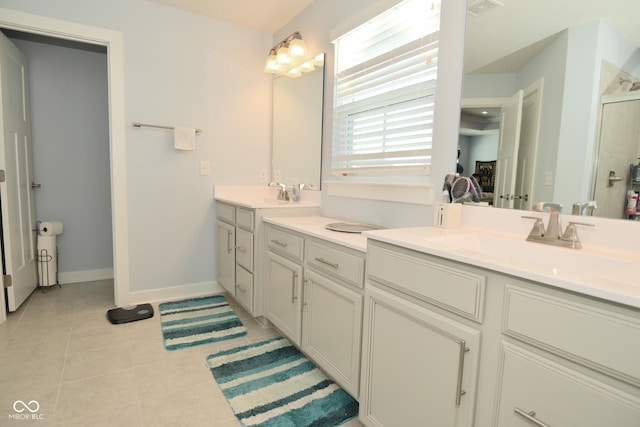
<point x="294" y="276"/>
<point x="240" y="288"/>
<point x="279" y="243"/>
<point x="325" y="262"/>
<point x="229" y="245"/>
<point x="242" y="249"/>
<point x="459" y="390"/>
<point x="530" y="416"/>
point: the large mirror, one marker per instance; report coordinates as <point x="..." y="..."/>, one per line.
<point x="539" y="74"/>
<point x="297" y="129"/>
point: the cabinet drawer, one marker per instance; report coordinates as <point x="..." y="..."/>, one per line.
<point x="456" y="290"/>
<point x="244" y="249"/>
<point x="244" y="219"/>
<point x="285" y="243"/>
<point x="244" y="288"/>
<point x="557" y="395"/>
<point x="226" y="213"/>
<point x="603" y="340"/>
<point x="336" y="262"/>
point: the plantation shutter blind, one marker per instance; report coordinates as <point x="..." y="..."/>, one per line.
<point x="384" y="92"/>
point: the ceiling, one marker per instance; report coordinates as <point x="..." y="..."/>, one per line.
<point x="518" y="30"/>
<point x="261" y="15"/>
<point x="511" y="33"/>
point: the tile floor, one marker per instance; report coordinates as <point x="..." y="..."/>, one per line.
<point x="59" y="350"/>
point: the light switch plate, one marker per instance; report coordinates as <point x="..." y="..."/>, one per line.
<point x="205" y="167"/>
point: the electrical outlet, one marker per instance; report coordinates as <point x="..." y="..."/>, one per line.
<point x="205" y="167"/>
<point x="548" y="178"/>
<point x="277" y="175"/>
<point x="264" y="175"/>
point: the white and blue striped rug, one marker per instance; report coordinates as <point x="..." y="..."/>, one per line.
<point x="271" y="383"/>
<point x="198" y="321"/>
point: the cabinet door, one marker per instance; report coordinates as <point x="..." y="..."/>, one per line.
<point x="418" y="368"/>
<point x="536" y="391"/>
<point x="284" y="295"/>
<point x="225" y="256"/>
<point x="332" y="329"/>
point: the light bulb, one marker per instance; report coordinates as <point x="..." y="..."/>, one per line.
<point x="307" y="67"/>
<point x="294" y="73"/>
<point x="283" y="55"/>
<point x="271" y="65"/>
<point x="297" y="48"/>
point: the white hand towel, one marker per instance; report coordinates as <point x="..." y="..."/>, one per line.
<point x="184" y="138"/>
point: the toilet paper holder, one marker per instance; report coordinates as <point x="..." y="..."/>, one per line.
<point x="47" y="252"/>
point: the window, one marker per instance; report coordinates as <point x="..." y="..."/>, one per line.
<point x="385" y="91"/>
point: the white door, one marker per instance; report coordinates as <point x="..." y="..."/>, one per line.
<point x="510" y="122"/>
<point x="527" y="149"/>
<point x="16" y="195"/>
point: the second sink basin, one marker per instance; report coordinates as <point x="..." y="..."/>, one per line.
<point x="546" y="259"/>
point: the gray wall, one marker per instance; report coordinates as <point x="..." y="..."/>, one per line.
<point x="70" y="118"/>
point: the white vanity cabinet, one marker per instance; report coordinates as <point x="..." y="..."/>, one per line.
<point x="419" y="367"/>
<point x="549" y="356"/>
<point x="332" y="314"/>
<point x="314" y="296"/>
<point x="225" y="247"/>
<point x="543" y="380"/>
<point x="240" y="250"/>
<point x="284" y="282"/>
<point x="235" y="252"/>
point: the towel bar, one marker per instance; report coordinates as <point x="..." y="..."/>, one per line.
<point x="139" y="125"/>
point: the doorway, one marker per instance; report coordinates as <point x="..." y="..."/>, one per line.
<point x="70" y="150"/>
<point x="618" y="151"/>
<point x="505" y="133"/>
<point x="113" y="41"/>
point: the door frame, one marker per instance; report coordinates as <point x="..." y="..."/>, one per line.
<point x="113" y="41"/>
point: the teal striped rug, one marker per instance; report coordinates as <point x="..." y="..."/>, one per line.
<point x="271" y="383"/>
<point x="198" y="321"/>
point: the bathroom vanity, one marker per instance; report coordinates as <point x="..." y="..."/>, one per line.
<point x="433" y="326"/>
<point x="314" y="292"/>
<point x="456" y="336"/>
<point x="240" y="239"/>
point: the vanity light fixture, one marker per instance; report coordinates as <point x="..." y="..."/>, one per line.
<point x="290" y="57"/>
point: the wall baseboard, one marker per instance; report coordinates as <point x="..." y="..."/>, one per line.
<point x="193" y="290"/>
<point x="85" y="276"/>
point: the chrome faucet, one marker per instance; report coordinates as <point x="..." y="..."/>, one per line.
<point x="553" y="234"/>
<point x="283" y="194"/>
<point x="584" y="208"/>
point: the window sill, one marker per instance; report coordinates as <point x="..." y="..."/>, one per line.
<point x="419" y="194"/>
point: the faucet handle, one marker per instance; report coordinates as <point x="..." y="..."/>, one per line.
<point x="571" y="233"/>
<point x="538" y="226"/>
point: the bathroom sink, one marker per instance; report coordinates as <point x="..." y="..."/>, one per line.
<point x="535" y="257"/>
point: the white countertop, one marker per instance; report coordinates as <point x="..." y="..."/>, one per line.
<point x="266" y="203"/>
<point x="263" y="197"/>
<point x="610" y="275"/>
<point x="315" y="226"/>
